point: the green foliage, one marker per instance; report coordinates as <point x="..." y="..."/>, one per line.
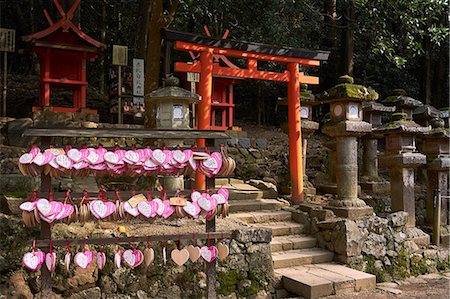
<point x="228" y="281"/>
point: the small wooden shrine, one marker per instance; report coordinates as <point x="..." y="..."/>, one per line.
<point x="63" y="50"/>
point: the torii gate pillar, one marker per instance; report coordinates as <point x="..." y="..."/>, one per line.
<point x="295" y="133"/>
<point x="204" y="105"/>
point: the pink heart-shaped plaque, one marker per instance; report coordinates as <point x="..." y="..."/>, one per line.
<point x="75" y="155"/>
<point x="26" y="158"/>
<point x="192" y="208"/>
<point x="118" y="259"/>
<point x="220" y="199"/>
<point x="130" y="210"/>
<point x="44" y="207"/>
<point x="101" y="260"/>
<point x="224" y="192"/>
<point x="160" y="207"/>
<point x="131" y="157"/>
<point x="66" y="211"/>
<point x="195" y="196"/>
<point x="64" y="161"/>
<point x="133" y="258"/>
<point x="33" y="260"/>
<point x="168" y="209"/>
<point x="94" y="157"/>
<point x="209" y="253"/>
<point x="146" y="208"/>
<point x="179" y="156"/>
<point x="84" y="259"/>
<point x="50" y="261"/>
<point x="206" y="202"/>
<point x="160" y="157"/>
<point x="102" y="209"/>
<point x="111" y="158"/>
<point x="28" y="206"/>
<point x="48" y="219"/>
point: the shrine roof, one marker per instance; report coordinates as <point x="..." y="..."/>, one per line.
<point x="64" y="25"/>
<point x="245" y="46"/>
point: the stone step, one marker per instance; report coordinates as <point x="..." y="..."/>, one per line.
<point x="314" y="281"/>
<point x="242" y="191"/>
<point x="263" y="216"/>
<point x="283" y="228"/>
<point x="298" y="257"/>
<point x="292" y="242"/>
<point x="255" y="205"/>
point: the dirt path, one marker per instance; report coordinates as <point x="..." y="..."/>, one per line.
<point x="414" y="288"/>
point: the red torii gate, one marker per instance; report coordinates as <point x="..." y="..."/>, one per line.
<point x="253" y="52"/>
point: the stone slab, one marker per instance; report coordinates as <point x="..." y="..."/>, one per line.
<point x="283" y="243"/>
<point x="283" y="228"/>
<point x="307" y="285"/>
<point x="376" y="187"/>
<point x="331" y="188"/>
<point x="351" y="213"/>
<point x="390" y="290"/>
<point x="300" y="257"/>
<point x="254" y="205"/>
<point x="363" y="281"/>
<point x="341" y="284"/>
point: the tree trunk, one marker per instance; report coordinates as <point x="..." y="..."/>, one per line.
<point x="329" y="71"/>
<point x="144" y="15"/>
<point x="101" y="85"/>
<point x="349" y="39"/>
<point x="426" y="79"/>
<point x="158" y="20"/>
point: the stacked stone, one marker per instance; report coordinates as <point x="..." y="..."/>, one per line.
<point x="346" y="126"/>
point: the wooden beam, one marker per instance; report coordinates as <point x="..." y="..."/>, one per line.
<point x="245" y="73"/>
<point x="125" y="240"/>
<point x="179" y="45"/>
<point x="117" y="132"/>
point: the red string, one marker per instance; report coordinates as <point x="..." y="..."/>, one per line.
<point x="222" y="236"/>
<point x="148" y="241"/>
<point x="133" y="245"/>
<point x="100" y="247"/>
<point x="50" y="195"/>
<point x="34" y="245"/>
<point x="84" y="246"/>
<point x="68" y="246"/>
<point x="33" y="196"/>
<point x="51" y="246"/>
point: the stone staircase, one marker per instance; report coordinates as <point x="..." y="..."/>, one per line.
<point x="301" y="268"/>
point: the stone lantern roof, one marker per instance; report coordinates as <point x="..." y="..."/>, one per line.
<point x="172" y="92"/>
<point x="373" y="106"/>
<point x="347" y="90"/>
<point x="400" y="99"/>
<point x="400" y="124"/>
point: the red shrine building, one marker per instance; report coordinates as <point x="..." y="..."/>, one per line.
<point x="63" y="50"/>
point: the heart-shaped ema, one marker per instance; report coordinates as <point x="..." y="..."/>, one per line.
<point x="131" y="157"/>
<point x="75" y="155"/>
<point x="180" y="257"/>
<point x="111" y="158"/>
<point x="133" y="258"/>
<point x="28" y="206"/>
<point x="93" y="157"/>
<point x="66" y="211"/>
<point x="168" y="209"/>
<point x="223" y="250"/>
<point x="130" y="210"/>
<point x="219" y="198"/>
<point x="118" y="259"/>
<point x="192" y="209"/>
<point x="149" y="256"/>
<point x="159" y="157"/>
<point x="209" y="253"/>
<point x="26" y="158"/>
<point x="44" y="207"/>
<point x="160" y="207"/>
<point x="84" y="259"/>
<point x="102" y="209"/>
<point x="64" y="161"/>
<point x="33" y="260"/>
<point x="179" y="156"/>
<point x="194" y="253"/>
<point x="50" y="261"/>
<point x="146" y="209"/>
<point x="206" y="202"/>
<point x="101" y="260"/>
<point x="67" y="261"/>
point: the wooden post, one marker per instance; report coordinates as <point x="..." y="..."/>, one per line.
<point x="5" y="81"/>
<point x="46" y="276"/>
<point x="437" y="218"/>
<point x="295" y="133"/>
<point x="204" y="105"/>
<point x="119" y="95"/>
<point x="211" y="277"/>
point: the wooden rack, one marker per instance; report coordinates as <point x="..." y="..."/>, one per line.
<point x="46" y="135"/>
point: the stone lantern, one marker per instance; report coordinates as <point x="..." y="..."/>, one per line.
<point x="402" y="103"/>
<point x="372" y="113"/>
<point x="346" y="125"/>
<point x="436" y="147"/>
<point x="401" y="157"/>
<point x="172" y="105"/>
<point x="172" y="113"/>
<point x="425" y="114"/>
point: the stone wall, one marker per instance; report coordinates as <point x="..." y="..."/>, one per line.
<point x="246" y="273"/>
<point x="383" y="246"/>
